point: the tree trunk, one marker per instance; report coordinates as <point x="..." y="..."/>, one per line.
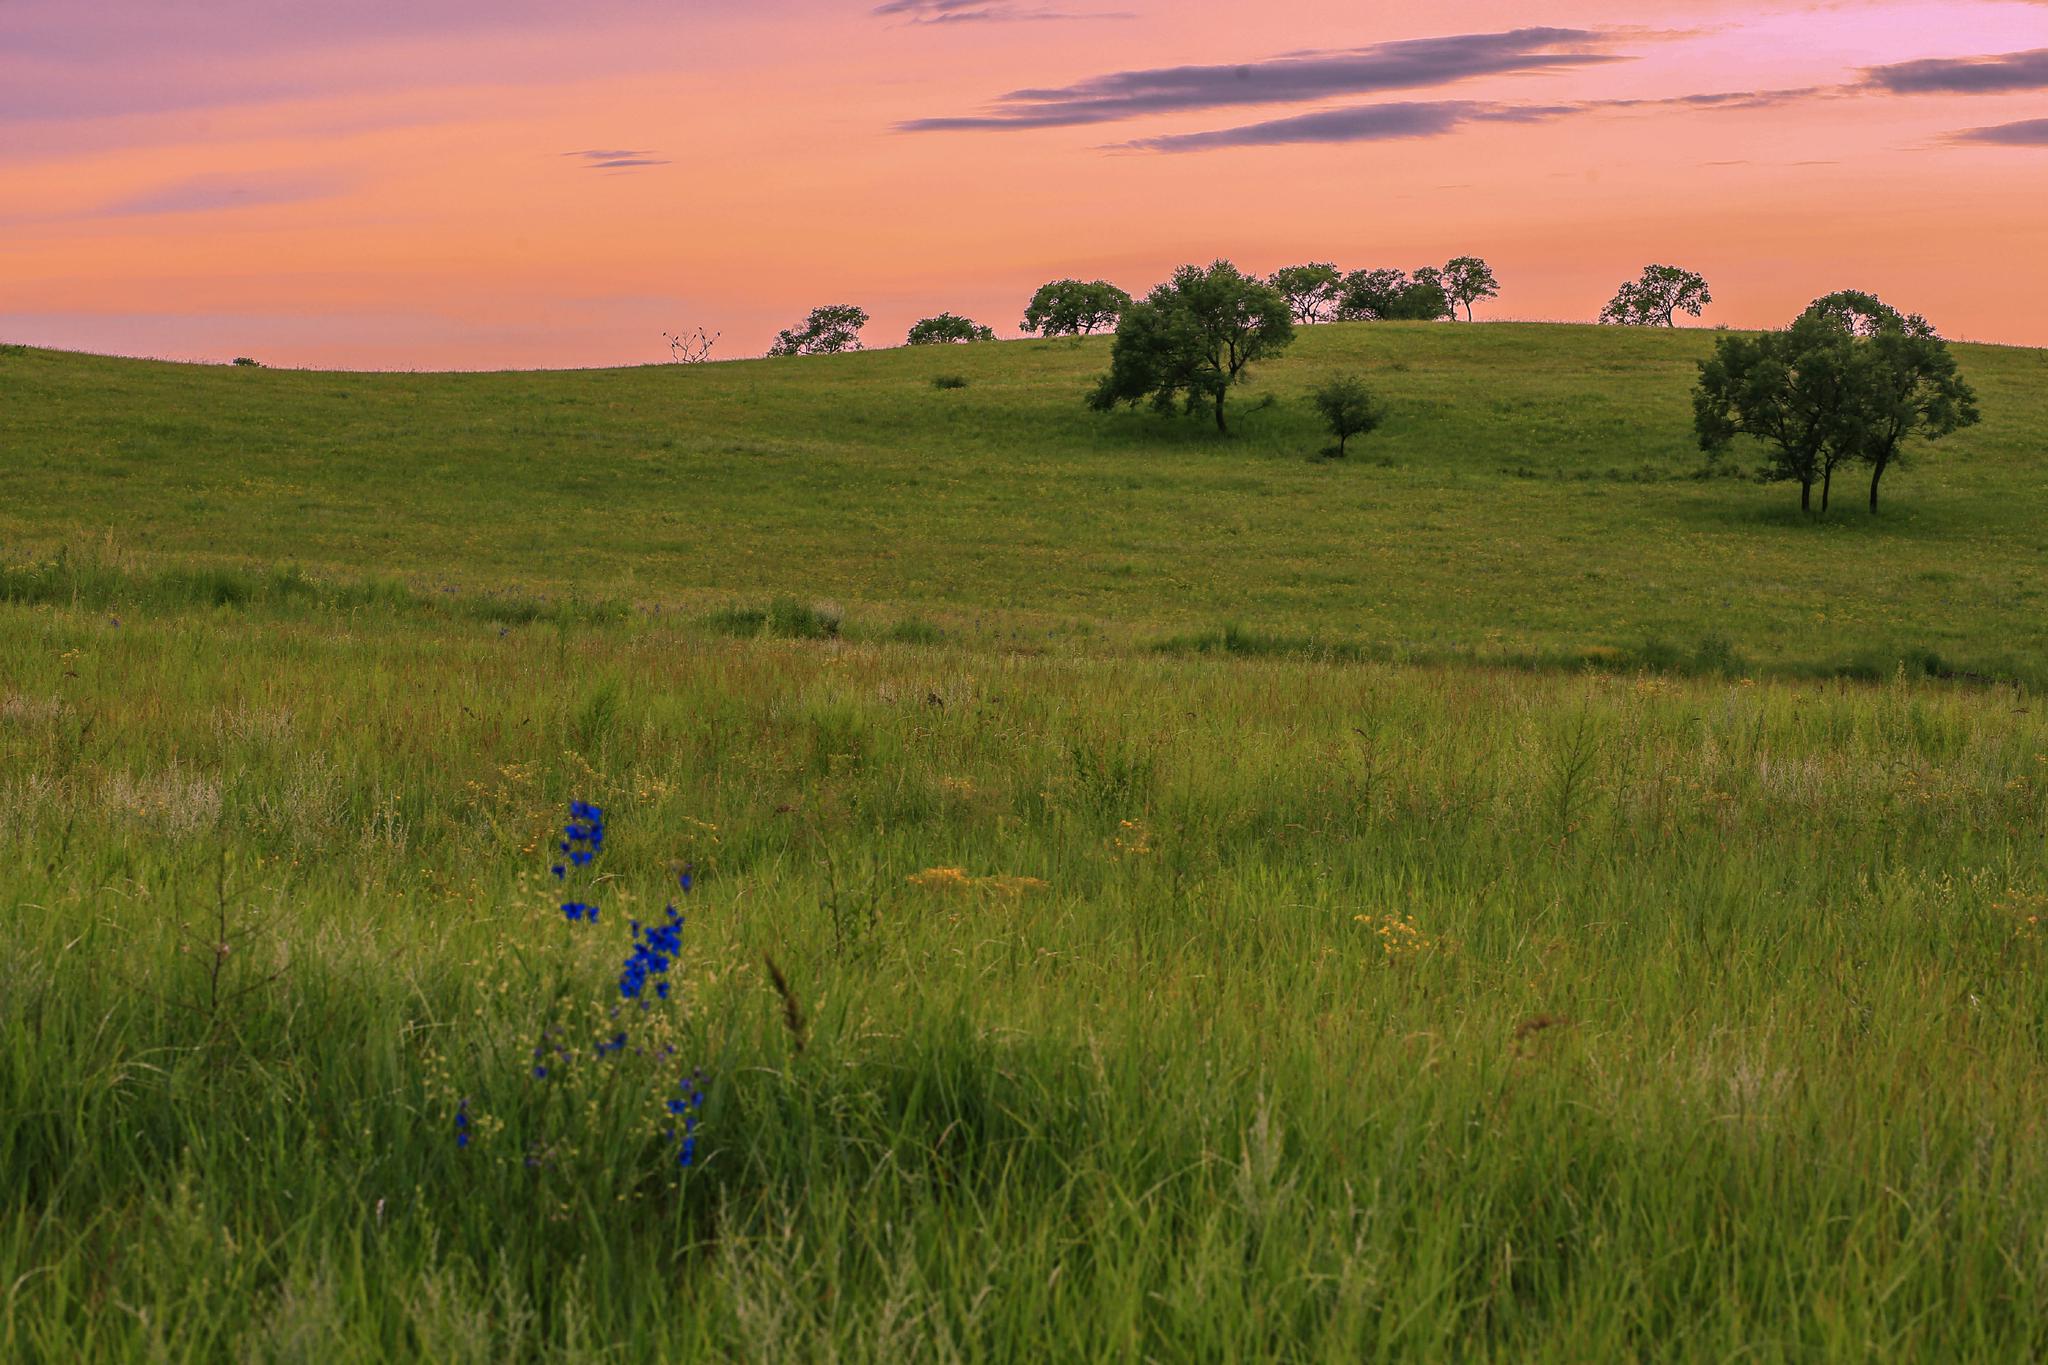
<point x="1341" y="440"/>
<point x="1876" y="473"/>
<point x="1219" y="412"/>
<point x="1806" y="495"/>
<point x="1827" y="481"/>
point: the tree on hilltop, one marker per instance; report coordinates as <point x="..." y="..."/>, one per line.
<point x="1389" y="296"/>
<point x="1311" y="290"/>
<point x="1785" y="390"/>
<point x="1074" y="307"/>
<point x="948" y="327"/>
<point x="1852" y="379"/>
<point x="1465" y="280"/>
<point x="1191" y="339"/>
<point x="1655" y="297"/>
<point x="827" y="331"/>
<point x="1903" y="384"/>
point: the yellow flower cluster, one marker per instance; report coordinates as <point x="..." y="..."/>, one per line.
<point x="1132" y="839"/>
<point x="2029" y="910"/>
<point x="1401" y="937"/>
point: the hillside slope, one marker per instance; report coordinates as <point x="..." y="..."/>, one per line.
<point x="1534" y="493"/>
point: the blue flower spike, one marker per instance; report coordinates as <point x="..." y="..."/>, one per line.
<point x="644" y="978"/>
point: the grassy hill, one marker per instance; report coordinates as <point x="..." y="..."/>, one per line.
<point x="1535" y="495"/>
<point x="1057" y="997"/>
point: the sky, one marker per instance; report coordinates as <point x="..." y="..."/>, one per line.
<point x="481" y="184"/>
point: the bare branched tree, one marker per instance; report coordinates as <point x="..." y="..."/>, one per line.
<point x="690" y="348"/>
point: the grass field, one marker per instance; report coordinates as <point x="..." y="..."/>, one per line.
<point x="1282" y="1004"/>
<point x="1534" y="496"/>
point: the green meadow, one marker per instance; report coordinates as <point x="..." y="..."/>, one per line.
<point x="1500" y="897"/>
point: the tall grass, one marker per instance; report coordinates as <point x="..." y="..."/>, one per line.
<point x="1687" y="1019"/>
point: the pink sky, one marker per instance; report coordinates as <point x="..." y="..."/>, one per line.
<point x="392" y="183"/>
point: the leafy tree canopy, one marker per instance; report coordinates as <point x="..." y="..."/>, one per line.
<point x="1348" y="408"/>
<point x="1074" y="307"/>
<point x="827" y="331"/>
<point x="1655" y="297"/>
<point x="1192" y="338"/>
<point x="1311" y="290"/>
<point x="1782" y="388"/>
<point x="1902" y="384"/>
<point x="1389" y="296"/>
<point x="1465" y="280"/>
<point x="1852" y="379"/>
<point x="948" y="327"/>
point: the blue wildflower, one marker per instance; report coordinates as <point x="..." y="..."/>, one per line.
<point x="462" y="1123"/>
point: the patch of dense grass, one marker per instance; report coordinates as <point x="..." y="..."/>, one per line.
<point x="1687" y="1018"/>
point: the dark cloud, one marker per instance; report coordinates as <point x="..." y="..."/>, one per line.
<point x="211" y="193"/>
<point x="1990" y="75"/>
<point x="616" y="159"/>
<point x="1372" y="123"/>
<point x="2031" y="132"/>
<point x="1408" y="64"/>
<point x="1386" y="122"/>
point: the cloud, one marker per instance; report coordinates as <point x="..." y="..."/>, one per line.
<point x="1433" y="118"/>
<point x="2031" y="132"/>
<point x="1990" y="75"/>
<point x="211" y="193"/>
<point x="1408" y="64"/>
<point x="616" y="159"/>
<point x="1372" y="123"/>
<point x="978" y="11"/>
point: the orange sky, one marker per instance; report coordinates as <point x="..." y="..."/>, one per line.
<point x="389" y="183"/>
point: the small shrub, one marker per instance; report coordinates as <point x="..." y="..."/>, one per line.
<point x="949" y="381"/>
<point x="915" y="630"/>
<point x="785" y="618"/>
<point x="743" y="621"/>
<point x="245" y="360"/>
<point x="1348" y="408"/>
<point x="790" y="619"/>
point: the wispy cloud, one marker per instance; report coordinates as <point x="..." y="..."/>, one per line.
<point x="1370" y="123"/>
<point x="981" y="12"/>
<point x="1989" y="75"/>
<point x="1405" y="65"/>
<point x="1434" y="118"/>
<point x="213" y="193"/>
<point x="616" y="159"/>
<point x="2031" y="132"/>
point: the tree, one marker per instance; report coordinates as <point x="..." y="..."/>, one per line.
<point x="1311" y="290"/>
<point x="1348" y="408"/>
<point x="827" y="331"/>
<point x="947" y="327"/>
<point x="1466" y="280"/>
<point x="1074" y="307"/>
<point x="1192" y="338"/>
<point x="1902" y="383"/>
<point x="1852" y="379"/>
<point x="690" y="348"/>
<point x="1655" y="297"/>
<point x="1865" y="315"/>
<point x="1389" y="296"/>
<point x="1785" y="389"/>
